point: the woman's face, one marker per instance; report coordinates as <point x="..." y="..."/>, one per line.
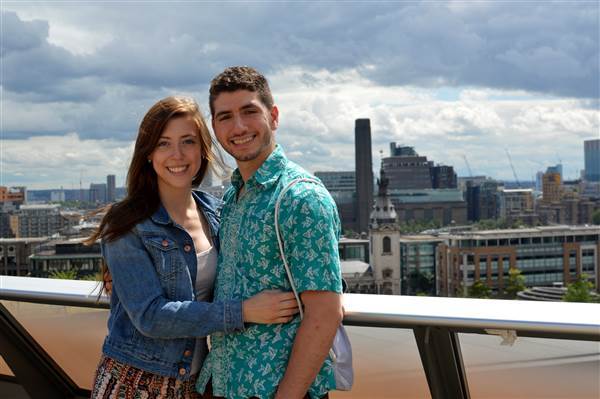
<point x="177" y="156"/>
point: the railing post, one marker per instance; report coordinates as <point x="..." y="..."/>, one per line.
<point x="34" y="369"/>
<point x="442" y="361"/>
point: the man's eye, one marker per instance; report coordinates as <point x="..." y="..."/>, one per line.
<point x="223" y="118"/>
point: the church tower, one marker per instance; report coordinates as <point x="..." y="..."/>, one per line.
<point x="385" y="241"/>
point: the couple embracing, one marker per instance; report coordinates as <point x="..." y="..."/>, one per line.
<point x="183" y="265"/>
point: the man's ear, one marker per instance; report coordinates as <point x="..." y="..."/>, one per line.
<point x="274" y="117"/>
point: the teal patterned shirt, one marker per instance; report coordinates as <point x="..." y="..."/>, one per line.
<point x="252" y="362"/>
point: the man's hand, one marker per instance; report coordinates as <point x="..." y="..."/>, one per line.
<point x="322" y="317"/>
<point x="270" y="307"/>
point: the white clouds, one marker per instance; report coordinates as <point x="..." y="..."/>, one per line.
<point x="51" y="161"/>
<point x="450" y="78"/>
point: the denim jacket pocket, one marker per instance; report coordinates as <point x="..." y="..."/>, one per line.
<point x="167" y="260"/>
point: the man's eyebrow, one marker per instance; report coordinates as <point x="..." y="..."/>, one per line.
<point x="221" y="113"/>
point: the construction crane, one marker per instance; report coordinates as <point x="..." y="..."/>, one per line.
<point x="468" y="166"/>
<point x="512" y="167"/>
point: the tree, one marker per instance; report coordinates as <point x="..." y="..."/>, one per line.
<point x="479" y="290"/>
<point x="516" y="283"/>
<point x="70" y="274"/>
<point x="580" y="290"/>
<point x="596" y="217"/>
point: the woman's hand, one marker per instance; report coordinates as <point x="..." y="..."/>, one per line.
<point x="270" y="307"/>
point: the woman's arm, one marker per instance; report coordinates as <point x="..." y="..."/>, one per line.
<point x="135" y="281"/>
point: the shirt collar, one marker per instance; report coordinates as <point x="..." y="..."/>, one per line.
<point x="267" y="174"/>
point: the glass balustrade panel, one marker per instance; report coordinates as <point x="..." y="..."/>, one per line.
<point x="386" y="365"/>
<point x="72" y="336"/>
<point x="531" y="368"/>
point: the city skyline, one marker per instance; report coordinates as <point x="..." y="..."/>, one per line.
<point x="450" y="79"/>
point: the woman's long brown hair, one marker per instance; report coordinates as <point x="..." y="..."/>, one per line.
<point x="142" y="198"/>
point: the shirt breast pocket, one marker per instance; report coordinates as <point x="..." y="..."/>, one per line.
<point x="167" y="261"/>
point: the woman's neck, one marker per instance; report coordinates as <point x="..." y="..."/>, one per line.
<point x="178" y="204"/>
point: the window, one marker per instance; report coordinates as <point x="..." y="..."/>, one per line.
<point x="387" y="245"/>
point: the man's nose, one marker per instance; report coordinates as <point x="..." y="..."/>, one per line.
<point x="239" y="126"/>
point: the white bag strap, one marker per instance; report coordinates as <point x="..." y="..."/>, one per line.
<point x="280" y="239"/>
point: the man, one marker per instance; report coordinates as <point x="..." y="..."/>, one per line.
<point x="285" y="361"/>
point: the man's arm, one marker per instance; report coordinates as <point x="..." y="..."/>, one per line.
<point x="322" y="316"/>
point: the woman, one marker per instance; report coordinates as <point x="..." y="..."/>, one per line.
<point x="160" y="245"/>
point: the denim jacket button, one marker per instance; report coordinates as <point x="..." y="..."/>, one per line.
<point x="187" y="353"/>
<point x="182" y="371"/>
<point x="187" y="247"/>
<point x="165" y="243"/>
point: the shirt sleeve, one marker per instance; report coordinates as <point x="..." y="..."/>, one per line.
<point x="137" y="286"/>
<point x="310" y="228"/>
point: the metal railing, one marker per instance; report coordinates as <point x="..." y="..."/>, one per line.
<point x="435" y="322"/>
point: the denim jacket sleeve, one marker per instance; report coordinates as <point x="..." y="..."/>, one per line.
<point x="138" y="288"/>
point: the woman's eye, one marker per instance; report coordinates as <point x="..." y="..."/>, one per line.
<point x="162" y="144"/>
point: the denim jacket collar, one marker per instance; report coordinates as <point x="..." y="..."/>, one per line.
<point x="208" y="204"/>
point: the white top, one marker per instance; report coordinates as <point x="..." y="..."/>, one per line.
<point x="205" y="280"/>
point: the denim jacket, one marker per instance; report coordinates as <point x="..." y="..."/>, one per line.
<point x="154" y="320"/>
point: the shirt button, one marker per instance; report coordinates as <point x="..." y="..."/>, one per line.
<point x="187" y="247"/>
<point x="165" y="243"/>
<point x="182" y="371"/>
<point x="187" y="353"/>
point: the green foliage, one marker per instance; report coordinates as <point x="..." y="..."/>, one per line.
<point x="421" y="283"/>
<point x="516" y="283"/>
<point x="70" y="274"/>
<point x="596" y="217"/>
<point x="414" y="227"/>
<point x="479" y="290"/>
<point x="580" y="291"/>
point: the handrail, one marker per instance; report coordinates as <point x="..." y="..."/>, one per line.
<point x="558" y="319"/>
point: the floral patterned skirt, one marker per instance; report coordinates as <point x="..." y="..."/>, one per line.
<point x="116" y="380"/>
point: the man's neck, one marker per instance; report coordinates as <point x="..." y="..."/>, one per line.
<point x="248" y="168"/>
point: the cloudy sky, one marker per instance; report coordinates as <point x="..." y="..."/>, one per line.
<point x="453" y="79"/>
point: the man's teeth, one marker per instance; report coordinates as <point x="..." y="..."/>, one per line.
<point x="243" y="140"/>
<point x="177" y="169"/>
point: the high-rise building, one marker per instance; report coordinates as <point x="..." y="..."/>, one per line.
<point x="551" y="183"/>
<point x="407" y="170"/>
<point x="111" y="188"/>
<point x="558" y="168"/>
<point x="364" y="173"/>
<point x="592" y="160"/>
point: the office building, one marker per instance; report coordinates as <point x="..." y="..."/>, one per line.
<point x="111" y="188"/>
<point x="591" y="150"/>
<point x="38" y="220"/>
<point x="342" y="187"/>
<point x="406" y="170"/>
<point x="442" y="206"/>
<point x="66" y="255"/>
<point x="515" y="203"/>
<point x="14" y="255"/>
<point x="98" y="193"/>
<point x="545" y="255"/>
<point x="551" y="187"/>
<point x="446" y="264"/>
<point x="443" y="176"/>
<point x="364" y="173"/>
<point x="14" y="195"/>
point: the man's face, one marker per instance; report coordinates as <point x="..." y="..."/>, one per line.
<point x="244" y="126"/>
